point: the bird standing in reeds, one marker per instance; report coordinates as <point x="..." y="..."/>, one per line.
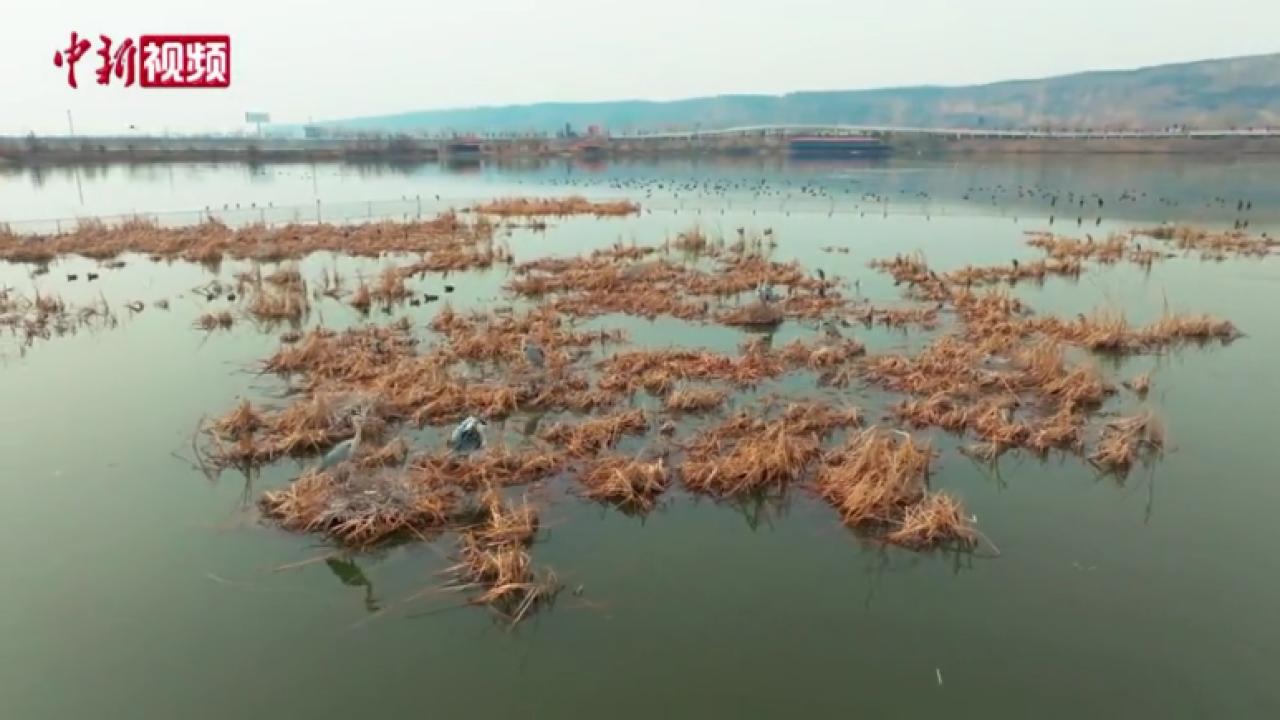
<point x="347" y="449"/>
<point x="468" y="436"/>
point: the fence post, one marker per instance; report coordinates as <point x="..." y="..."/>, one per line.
<point x="317" y="210"/>
<point x="419" y="207"/>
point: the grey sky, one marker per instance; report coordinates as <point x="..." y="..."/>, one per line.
<point x="302" y="59"/>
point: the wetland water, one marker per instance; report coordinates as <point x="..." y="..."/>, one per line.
<point x="134" y="587"/>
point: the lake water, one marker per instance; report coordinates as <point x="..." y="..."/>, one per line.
<point x="134" y="587"/>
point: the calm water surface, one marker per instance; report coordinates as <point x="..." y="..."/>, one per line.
<point x="136" y="588"/>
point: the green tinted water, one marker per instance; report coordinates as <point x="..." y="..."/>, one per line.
<point x="136" y="588"/>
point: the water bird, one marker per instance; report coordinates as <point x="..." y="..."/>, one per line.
<point x="428" y="297"/>
<point x="91" y="276"/>
<point x="534" y="354"/>
<point x="346" y="449"/>
<point x="448" y="288"/>
<point x="71" y="277"/>
<point x="766" y="294"/>
<point x="468" y="436"/>
<point x="831" y="331"/>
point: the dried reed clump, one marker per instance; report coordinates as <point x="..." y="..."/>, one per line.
<point x="659" y="370"/>
<point x="44" y="316"/>
<point x="221" y="320"/>
<point x="911" y="268"/>
<point x="1110" y="331"/>
<point x="770" y="458"/>
<point x="240" y="423"/>
<point x="390" y="287"/>
<point x="756" y="314"/>
<point x="361" y="510"/>
<point x="925" y="317"/>
<point x="1042" y="368"/>
<point x="823" y="356"/>
<point x="493" y="561"/>
<point x="1113" y="248"/>
<point x="691" y="400"/>
<point x="286" y="277"/>
<point x="1140" y="384"/>
<point x="211" y="241"/>
<point x="947" y="365"/>
<point x="745" y="454"/>
<point x="875" y="477"/>
<point x="1035" y="270"/>
<point x="362" y="298"/>
<point x="693" y="240"/>
<point x="492" y="468"/>
<point x="593" y="435"/>
<point x="1124" y="440"/>
<point x="618" y="251"/>
<point x="938" y="519"/>
<point x="505" y="523"/>
<point x="392" y="453"/>
<point x="356" y="355"/>
<point x="1211" y="245"/>
<point x="279" y="303"/>
<point x="877" y="481"/>
<point x="628" y="483"/>
<point x="560" y="207"/>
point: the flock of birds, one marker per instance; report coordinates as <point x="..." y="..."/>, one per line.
<point x="1056" y="201"/>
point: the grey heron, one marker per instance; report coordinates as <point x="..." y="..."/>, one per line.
<point x="468" y="436"/>
<point x="831" y="331"/>
<point x="766" y="294"/>
<point x="534" y="353"/>
<point x="347" y="449"/>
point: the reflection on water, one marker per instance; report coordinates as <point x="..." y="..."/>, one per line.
<point x="1071" y="192"/>
<point x="350" y="574"/>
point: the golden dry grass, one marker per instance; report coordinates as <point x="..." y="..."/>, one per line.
<point x="629" y="483"/>
<point x="560" y="207"/>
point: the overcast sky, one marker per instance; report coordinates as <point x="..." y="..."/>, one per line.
<point x="301" y="59"/>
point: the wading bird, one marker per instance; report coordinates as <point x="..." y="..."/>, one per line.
<point x="468" y="436"/>
<point x="534" y="354"/>
<point x="347" y="449"/>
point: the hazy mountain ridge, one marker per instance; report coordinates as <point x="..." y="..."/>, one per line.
<point x="1242" y="91"/>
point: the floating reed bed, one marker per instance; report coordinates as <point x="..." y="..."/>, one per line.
<point x="1126" y="440"/>
<point x="756" y="314"/>
<point x="211" y="241"/>
<point x="44" y="316"/>
<point x="1211" y="245"/>
<point x="658" y="371"/>
<point x="490" y="468"/>
<point x="902" y="317"/>
<point x="628" y="483"/>
<point x="560" y="207"/>
<point x="878" y="483"/>
<point x="694" y="400"/>
<point x="362" y="509"/>
<point x="1110" y="331"/>
<point x="746" y="455"/>
<point x="595" y="434"/>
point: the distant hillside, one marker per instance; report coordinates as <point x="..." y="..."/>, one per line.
<point x="1212" y="93"/>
